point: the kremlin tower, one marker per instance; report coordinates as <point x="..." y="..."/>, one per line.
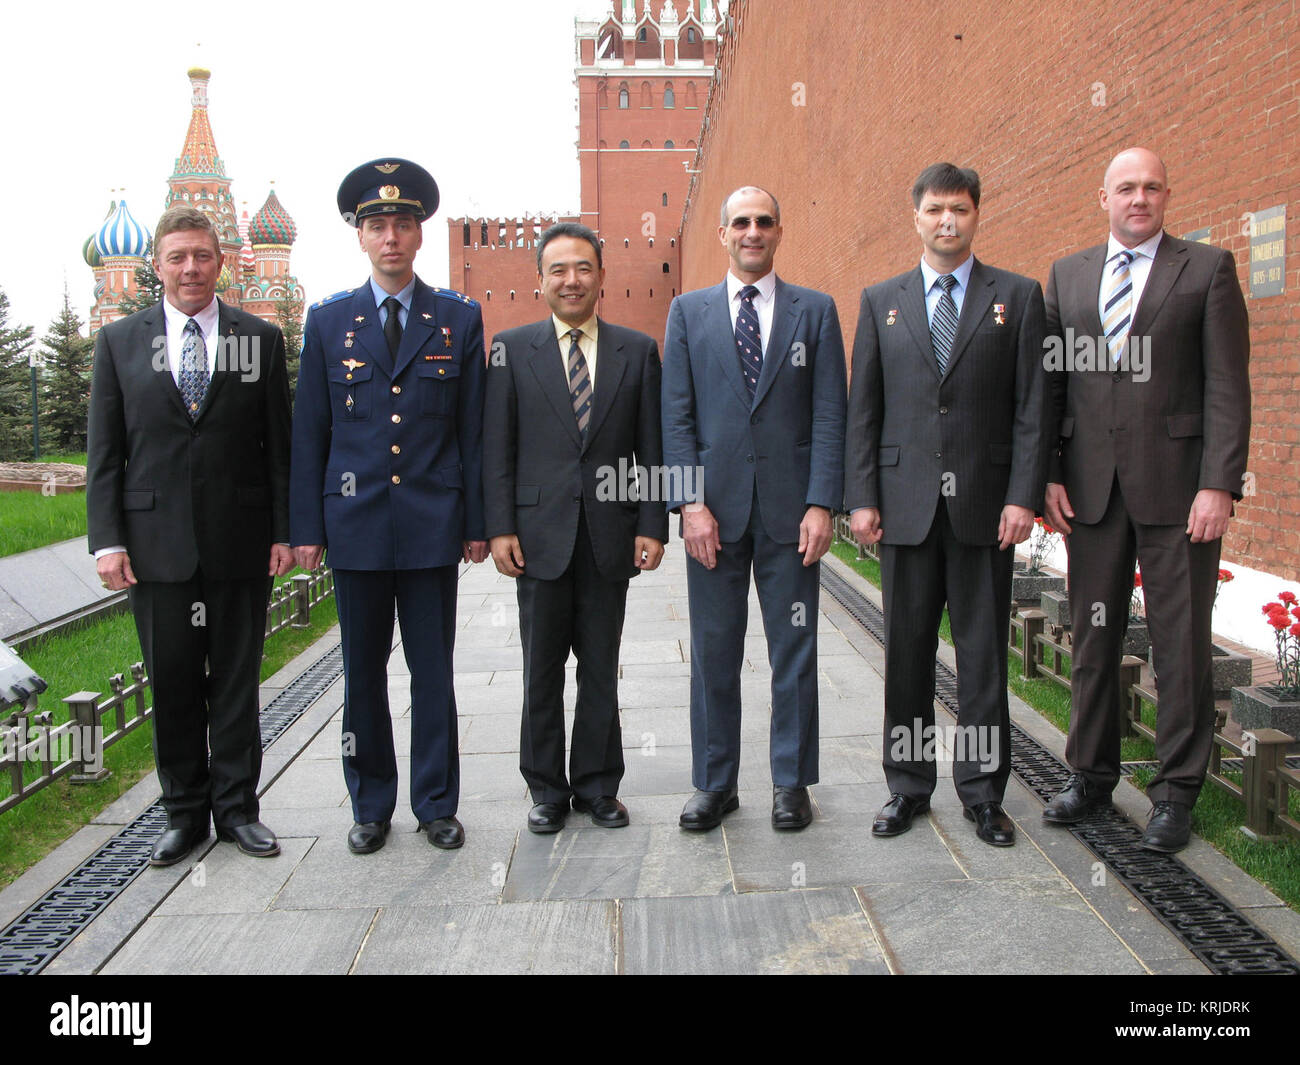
<point x="255" y="253"/>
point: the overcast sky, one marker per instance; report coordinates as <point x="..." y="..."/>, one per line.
<point x="96" y="100"/>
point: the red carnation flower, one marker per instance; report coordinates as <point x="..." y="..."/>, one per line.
<point x="1294" y="630"/>
<point x="1279" y="621"/>
<point x="1137" y="580"/>
<point x="1287" y="597"/>
<point x="1225" y="575"/>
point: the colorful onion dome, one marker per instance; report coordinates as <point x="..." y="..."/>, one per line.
<point x="224" y="279"/>
<point x="121" y="234"/>
<point x="272" y="224"/>
<point x="91" y="254"/>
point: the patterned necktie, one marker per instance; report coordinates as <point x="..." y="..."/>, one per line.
<point x="1117" y="306"/>
<point x="392" y="325"/>
<point x="749" y="341"/>
<point x="194" y="369"/>
<point x="579" y="383"/>
<point x="943" y="329"/>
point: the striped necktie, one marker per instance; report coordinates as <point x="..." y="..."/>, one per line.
<point x="579" y="383"/>
<point x="1117" y="306"/>
<point x="943" y="329"/>
<point x="193" y="378"/>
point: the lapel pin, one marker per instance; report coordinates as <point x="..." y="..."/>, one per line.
<point x="425" y="315"/>
<point x="352" y="364"/>
<point x="348" y="402"/>
<point x="999" y="313"/>
<point x="359" y="318"/>
<point x="446" y="336"/>
<point x="893" y="316"/>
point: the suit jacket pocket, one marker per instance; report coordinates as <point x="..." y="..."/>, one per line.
<point x="527" y="495"/>
<point x="439" y="386"/>
<point x="888" y="455"/>
<point x="138" y="499"/>
<point x="1184" y="424"/>
<point x="350" y="391"/>
<point x="451" y="477"/>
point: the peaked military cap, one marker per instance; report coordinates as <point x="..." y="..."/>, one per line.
<point x="387" y="186"/>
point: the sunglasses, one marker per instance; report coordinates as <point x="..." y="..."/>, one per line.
<point x="763" y="221"/>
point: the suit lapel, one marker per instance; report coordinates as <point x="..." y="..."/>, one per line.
<point x="547" y="365"/>
<point x="421" y="321"/>
<point x="911" y="306"/>
<point x="786" y="313"/>
<point x="611" y="363"/>
<point x="719" y="329"/>
<point x="1170" y="259"/>
<point x="979" y="297"/>
<point x="366" y="331"/>
<point x="1091" y="267"/>
<point x="223" y="358"/>
<point x="154" y="327"/>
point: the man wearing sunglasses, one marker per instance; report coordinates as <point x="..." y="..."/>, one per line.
<point x="753" y="413"/>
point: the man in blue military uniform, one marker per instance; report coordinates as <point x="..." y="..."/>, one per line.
<point x="387" y="477"/>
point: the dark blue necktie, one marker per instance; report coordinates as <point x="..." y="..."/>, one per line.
<point x="194" y="368"/>
<point x="749" y="342"/>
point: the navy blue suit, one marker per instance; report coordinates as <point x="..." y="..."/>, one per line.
<point x="387" y="474"/>
<point x="763" y="463"/>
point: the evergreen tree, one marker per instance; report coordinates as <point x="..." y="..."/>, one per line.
<point x="148" y="286"/>
<point x="288" y="316"/>
<point x="65" y="381"/>
<point x="15" y="388"/>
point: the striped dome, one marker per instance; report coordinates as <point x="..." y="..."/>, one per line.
<point x="91" y="254"/>
<point x="122" y="235"/>
<point x="246" y="258"/>
<point x="224" y="279"/>
<point x="272" y="224"/>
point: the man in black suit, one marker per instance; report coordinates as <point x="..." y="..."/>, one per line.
<point x="187" y="498"/>
<point x="1150" y="444"/>
<point x="572" y="410"/>
<point x="944" y="466"/>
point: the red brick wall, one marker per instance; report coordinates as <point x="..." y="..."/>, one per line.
<point x="1037" y="103"/>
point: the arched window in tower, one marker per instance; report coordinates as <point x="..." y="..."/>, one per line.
<point x="691" y="99"/>
<point x="647" y="95"/>
<point x="646" y="144"/>
<point x="602" y="96"/>
<point x="690" y="43"/>
<point x="666" y="270"/>
<point x="624" y="97"/>
<point x="652" y="242"/>
<point x="625" y="243"/>
<point x="669" y="144"/>
<point x="483" y="235"/>
<point x="610" y="43"/>
<point x="489" y="296"/>
<point x="665" y="199"/>
<point x="466" y="234"/>
<point x="512" y="294"/>
<point x="670" y="100"/>
<point x="624" y="144"/>
<point x="647" y="42"/>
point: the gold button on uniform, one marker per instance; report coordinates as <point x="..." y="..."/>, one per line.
<point x="349" y="377"/>
<point x="396" y="418"/>
<point x="397" y="390"/>
<point x="441" y="371"/>
<point x="396" y="479"/>
<point x="396" y="450"/>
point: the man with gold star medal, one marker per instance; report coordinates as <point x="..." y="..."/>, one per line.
<point x="386" y="484"/>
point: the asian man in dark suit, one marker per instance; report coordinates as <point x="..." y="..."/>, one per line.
<point x="753" y="414"/>
<point x="1151" y="442"/>
<point x="572" y="411"/>
<point x="387" y="477"/>
<point x="187" y="502"/>
<point x="944" y="468"/>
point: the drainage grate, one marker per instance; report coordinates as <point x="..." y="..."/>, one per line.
<point x="38" y="934"/>
<point x="1202" y="919"/>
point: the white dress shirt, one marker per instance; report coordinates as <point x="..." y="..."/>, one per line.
<point x="764" y="302"/>
<point x="1138" y="270"/>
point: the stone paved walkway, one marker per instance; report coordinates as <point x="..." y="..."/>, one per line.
<point x="648" y="898"/>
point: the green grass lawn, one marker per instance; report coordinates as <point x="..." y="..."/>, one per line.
<point x="30" y="519"/>
<point x="84" y="660"/>
<point x="1217" y="816"/>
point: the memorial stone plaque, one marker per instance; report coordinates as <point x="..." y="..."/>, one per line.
<point x="1268" y="252"/>
<point x="1198" y="236"/>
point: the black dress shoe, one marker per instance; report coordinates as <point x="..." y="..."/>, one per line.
<point x="1170" y="827"/>
<point x="253" y="838"/>
<point x="791" y="808"/>
<point x="992" y="824"/>
<point x="175" y="844"/>
<point x="895" y="816"/>
<point x="547" y="817"/>
<point x="705" y="809"/>
<point x="606" y="811"/>
<point x="366" y="837"/>
<point x="1079" y="800"/>
<point x="445" y="833"/>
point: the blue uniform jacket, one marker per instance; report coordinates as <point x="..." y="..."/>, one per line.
<point x="387" y="465"/>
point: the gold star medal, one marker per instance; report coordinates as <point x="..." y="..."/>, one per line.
<point x="446" y="337"/>
<point x="999" y="313"/>
<point x="347" y="340"/>
<point x="893" y="316"/>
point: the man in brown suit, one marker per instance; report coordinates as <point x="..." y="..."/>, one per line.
<point x="1148" y="343"/>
